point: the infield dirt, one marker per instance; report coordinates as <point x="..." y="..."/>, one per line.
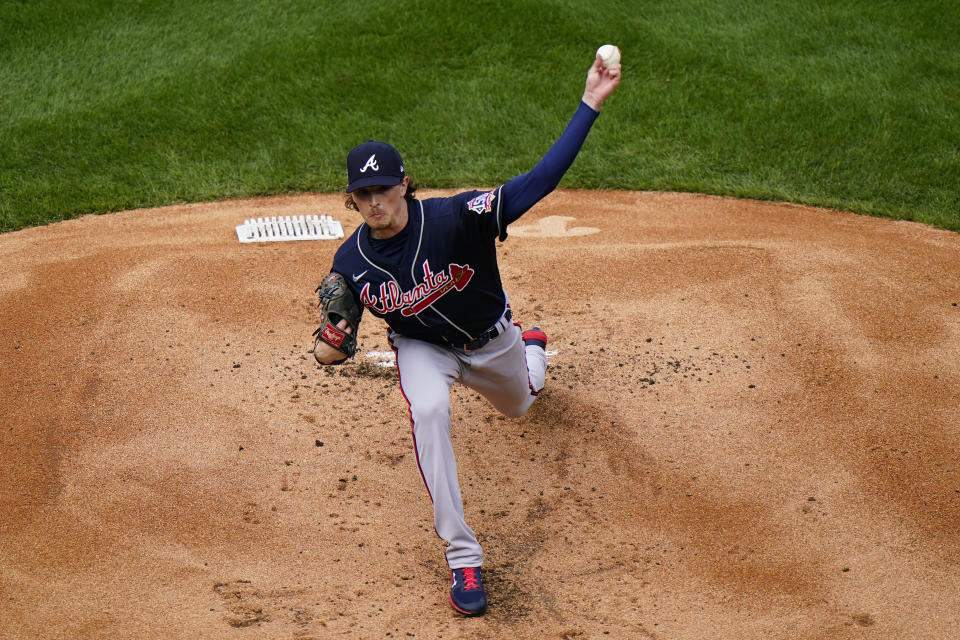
<point x="750" y="430"/>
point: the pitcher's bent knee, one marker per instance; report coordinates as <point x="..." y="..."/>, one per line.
<point x="520" y="409"/>
<point x="431" y="414"/>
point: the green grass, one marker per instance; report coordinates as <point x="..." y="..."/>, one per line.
<point x="110" y="105"/>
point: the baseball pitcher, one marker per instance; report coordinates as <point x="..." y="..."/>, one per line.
<point x="429" y="269"/>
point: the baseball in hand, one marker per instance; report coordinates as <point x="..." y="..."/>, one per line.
<point x="609" y="54"/>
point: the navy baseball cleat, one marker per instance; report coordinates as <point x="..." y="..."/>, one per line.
<point x="466" y="591"/>
<point x="535" y="337"/>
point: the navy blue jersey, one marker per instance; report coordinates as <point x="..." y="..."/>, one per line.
<point x="438" y="279"/>
<point x="442" y="283"/>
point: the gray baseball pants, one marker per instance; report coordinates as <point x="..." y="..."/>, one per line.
<point x="504" y="371"/>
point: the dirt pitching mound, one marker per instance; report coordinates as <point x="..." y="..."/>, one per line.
<point x="750" y="430"/>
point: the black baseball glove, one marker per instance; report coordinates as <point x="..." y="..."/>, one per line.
<point x="337" y="303"/>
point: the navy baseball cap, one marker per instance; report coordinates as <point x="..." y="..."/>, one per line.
<point x="373" y="164"/>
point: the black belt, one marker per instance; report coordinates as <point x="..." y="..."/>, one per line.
<point x="485" y="337"/>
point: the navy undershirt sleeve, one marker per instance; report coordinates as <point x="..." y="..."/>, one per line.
<point x="524" y="191"/>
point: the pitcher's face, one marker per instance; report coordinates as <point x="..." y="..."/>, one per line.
<point x="384" y="209"/>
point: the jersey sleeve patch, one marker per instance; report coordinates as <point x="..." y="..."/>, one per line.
<point x="483" y="203"/>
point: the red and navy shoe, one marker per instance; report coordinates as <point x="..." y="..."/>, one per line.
<point x="466" y="591"/>
<point x="536" y="337"/>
